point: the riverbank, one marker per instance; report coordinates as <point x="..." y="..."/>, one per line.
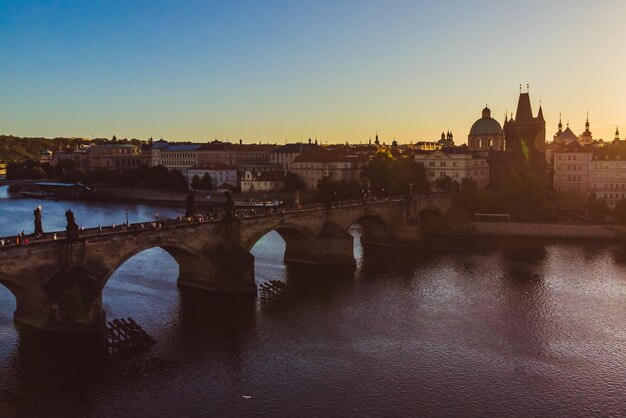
<point x="546" y="231"/>
<point x="166" y="197"/>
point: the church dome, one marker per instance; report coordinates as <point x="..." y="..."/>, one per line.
<point x="46" y="152"/>
<point x="486" y="125"/>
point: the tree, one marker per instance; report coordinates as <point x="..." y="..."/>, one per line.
<point x="158" y="177"/>
<point x="526" y="197"/>
<point x="206" y="182"/>
<point x="195" y="182"/>
<point x="293" y="182"/>
<point x="64" y="167"/>
<point x="386" y="176"/>
<point x="376" y="173"/>
<point x="467" y="196"/>
<point x="177" y="181"/>
<point x="328" y="189"/>
<point x="444" y="184"/>
<point x="75" y="175"/>
<point x="620" y="212"/>
<point x="406" y="175"/>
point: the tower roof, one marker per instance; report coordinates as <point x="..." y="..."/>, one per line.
<point x="486" y="125"/>
<point x="524" y="111"/>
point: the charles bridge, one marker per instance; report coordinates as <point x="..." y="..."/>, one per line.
<point x="58" y="283"/>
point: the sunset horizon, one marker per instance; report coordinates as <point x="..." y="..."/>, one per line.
<point x="279" y="71"/>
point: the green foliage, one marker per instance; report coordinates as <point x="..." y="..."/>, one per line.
<point x="206" y="183"/>
<point x="620" y="212"/>
<point x="524" y="197"/>
<point x="195" y="182"/>
<point x="28" y="169"/>
<point x="376" y="172"/>
<point x="177" y="181"/>
<point x="157" y="177"/>
<point x="467" y="196"/>
<point x="16" y="149"/>
<point x="147" y="177"/>
<point x="445" y="184"/>
<point x="597" y="207"/>
<point x="293" y="182"/>
<point x="328" y="189"/>
<point x="388" y="176"/>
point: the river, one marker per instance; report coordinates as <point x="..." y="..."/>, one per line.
<point x="492" y="328"/>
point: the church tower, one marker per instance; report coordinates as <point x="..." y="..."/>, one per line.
<point x="525" y="137"/>
<point x="585" y="138"/>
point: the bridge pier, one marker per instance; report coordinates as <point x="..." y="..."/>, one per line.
<point x="230" y="268"/>
<point x="334" y="247"/>
<point x="70" y="301"/>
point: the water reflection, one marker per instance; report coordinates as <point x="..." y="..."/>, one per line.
<point x="476" y="328"/>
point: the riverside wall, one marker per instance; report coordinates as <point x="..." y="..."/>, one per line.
<point x="536" y="230"/>
<point x="144" y="195"/>
<point x="167" y="197"/>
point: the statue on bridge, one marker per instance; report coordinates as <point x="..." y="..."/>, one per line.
<point x="71" y="229"/>
<point x="191" y="209"/>
<point x="229" y="208"/>
<point x="38" y="227"/>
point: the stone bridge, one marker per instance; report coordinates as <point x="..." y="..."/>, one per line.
<point x="58" y="285"/>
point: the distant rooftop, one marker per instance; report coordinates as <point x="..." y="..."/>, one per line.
<point x="183" y="147"/>
<point x="295" y="148"/>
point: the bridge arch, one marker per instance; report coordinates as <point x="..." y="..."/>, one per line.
<point x="187" y="258"/>
<point x="373" y="228"/>
<point x="14" y="289"/>
<point x="294" y="235"/>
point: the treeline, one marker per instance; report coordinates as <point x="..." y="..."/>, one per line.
<point x="526" y="198"/>
<point x="157" y="177"/>
<point x="18" y="149"/>
<point x="382" y="176"/>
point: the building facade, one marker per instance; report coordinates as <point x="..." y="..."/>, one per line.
<point x="110" y="156"/>
<point x="284" y="155"/>
<point x="220" y="174"/>
<point x="336" y="165"/>
<point x="456" y="164"/>
<point x="179" y="157"/>
<point x="572" y="168"/>
<point x="264" y="181"/>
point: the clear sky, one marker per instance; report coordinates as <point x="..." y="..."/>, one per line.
<point x="338" y="70"/>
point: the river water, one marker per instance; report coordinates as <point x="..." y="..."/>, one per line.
<point x="490" y="328"/>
